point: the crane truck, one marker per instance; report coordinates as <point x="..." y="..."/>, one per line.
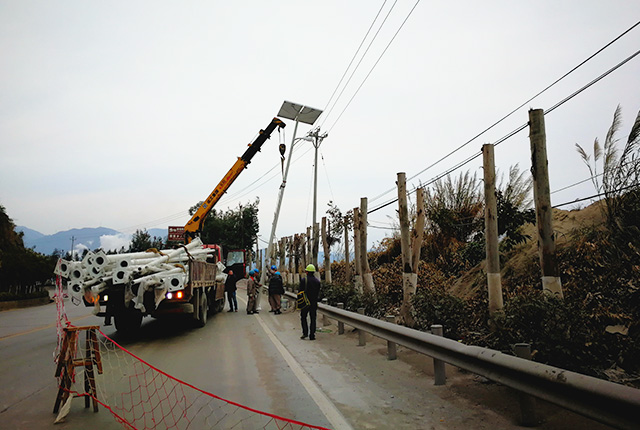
<point x="185" y="280"/>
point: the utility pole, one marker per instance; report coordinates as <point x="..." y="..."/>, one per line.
<point x="317" y="141"/>
<point x="73" y="239"/>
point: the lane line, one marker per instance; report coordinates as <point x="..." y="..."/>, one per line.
<point x="9" y="336"/>
<point x="335" y="417"/>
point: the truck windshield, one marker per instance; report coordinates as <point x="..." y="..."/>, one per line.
<point x="235" y="257"/>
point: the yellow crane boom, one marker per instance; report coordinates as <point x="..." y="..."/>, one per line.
<point x="194" y="226"/>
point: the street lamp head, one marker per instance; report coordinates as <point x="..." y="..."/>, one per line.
<point x="307" y="138"/>
<point x="299" y="113"/>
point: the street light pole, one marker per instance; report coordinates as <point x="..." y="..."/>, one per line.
<point x="298" y="113"/>
<point x="267" y="258"/>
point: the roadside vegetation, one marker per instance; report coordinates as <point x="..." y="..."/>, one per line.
<point x="594" y="330"/>
<point x="23" y="272"/>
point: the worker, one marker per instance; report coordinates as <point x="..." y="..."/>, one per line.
<point x="230" y="288"/>
<point x="272" y="270"/>
<point x="276" y="290"/>
<point x="311" y="286"/>
<point x="252" y="291"/>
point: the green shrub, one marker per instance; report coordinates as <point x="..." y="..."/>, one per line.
<point x="433" y="305"/>
<point x="6" y="296"/>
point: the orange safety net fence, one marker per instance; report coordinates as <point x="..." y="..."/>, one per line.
<point x="141" y="396"/>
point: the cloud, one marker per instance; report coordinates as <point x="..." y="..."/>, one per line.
<point x="113" y="242"/>
<point x="79" y="249"/>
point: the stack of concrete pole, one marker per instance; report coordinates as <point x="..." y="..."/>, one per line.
<point x="162" y="271"/>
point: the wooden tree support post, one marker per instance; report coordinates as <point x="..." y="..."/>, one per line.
<point x="316" y="248"/>
<point x="367" y="276"/>
<point x="541" y="194"/>
<point x="326" y="251"/>
<point x="346" y="250"/>
<point x="409" y="276"/>
<point x="67" y="362"/>
<point x="309" y="247"/>
<point x="356" y="247"/>
<point x="494" y="282"/>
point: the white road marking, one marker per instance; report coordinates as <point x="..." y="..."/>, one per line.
<point x="327" y="407"/>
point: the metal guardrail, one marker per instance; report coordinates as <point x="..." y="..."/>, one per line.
<point x="607" y="402"/>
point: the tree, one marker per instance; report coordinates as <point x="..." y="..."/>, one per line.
<point x="454" y="207"/>
<point x="232" y="229"/>
<point x="141" y="241"/>
<point x="336" y="223"/>
<point x="514" y="207"/>
<point x="20" y="267"/>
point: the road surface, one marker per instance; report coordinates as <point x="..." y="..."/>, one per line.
<point x="259" y="361"/>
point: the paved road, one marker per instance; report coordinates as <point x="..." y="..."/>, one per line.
<point x="259" y="361"/>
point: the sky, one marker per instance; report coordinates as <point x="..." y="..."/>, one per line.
<point x="126" y="114"/>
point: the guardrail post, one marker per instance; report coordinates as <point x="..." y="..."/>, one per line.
<point x="340" y="323"/>
<point x="527" y="402"/>
<point x="362" y="340"/>
<point x="439" y="373"/>
<point x="391" y="346"/>
<point x="325" y="318"/>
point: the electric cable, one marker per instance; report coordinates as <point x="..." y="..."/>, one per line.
<point x="523" y="104"/>
<point x="604" y="193"/>
<point x="515" y="131"/>
<point x="350" y="63"/>
<point x="361" y="59"/>
<point x="374" y="65"/>
<point x="602" y="76"/>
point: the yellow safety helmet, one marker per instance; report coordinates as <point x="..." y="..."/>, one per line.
<point x="310" y="268"/>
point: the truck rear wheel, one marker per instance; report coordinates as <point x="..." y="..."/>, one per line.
<point x="203" y="309"/>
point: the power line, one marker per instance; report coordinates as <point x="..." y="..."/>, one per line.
<point x="361" y="59"/>
<point x="577" y="183"/>
<point x="512" y="133"/>
<point x="523" y="104"/>
<point x="602" y="76"/>
<point x="327" y="175"/>
<point x="374" y="66"/>
<point x="604" y="193"/>
<point x="326" y="113"/>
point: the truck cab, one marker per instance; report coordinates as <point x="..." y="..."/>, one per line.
<point x="237" y="261"/>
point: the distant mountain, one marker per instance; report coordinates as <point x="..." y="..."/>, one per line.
<point x="29" y="235"/>
<point x="80" y="237"/>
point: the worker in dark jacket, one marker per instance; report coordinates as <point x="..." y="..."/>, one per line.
<point x="230" y="288"/>
<point x="276" y="290"/>
<point x="311" y="286"/>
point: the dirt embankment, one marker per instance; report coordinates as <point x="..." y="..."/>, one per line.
<point x="565" y="222"/>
